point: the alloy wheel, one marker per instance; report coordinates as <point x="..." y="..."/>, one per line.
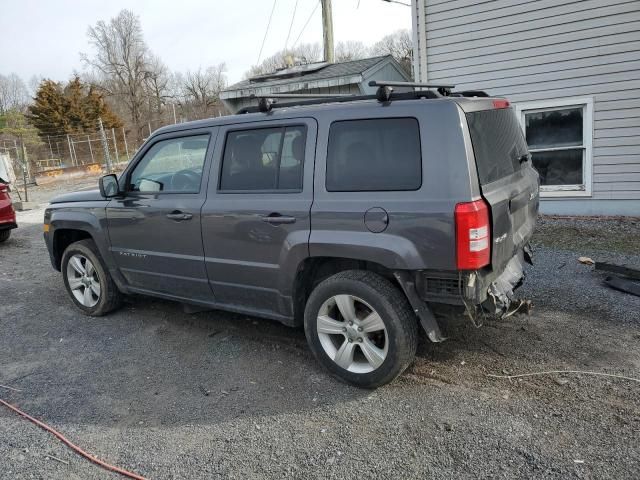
<point x="83" y="280"/>
<point x="352" y="333"/>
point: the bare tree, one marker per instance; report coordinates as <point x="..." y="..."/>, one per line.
<point x="156" y="81"/>
<point x="201" y="89"/>
<point x="13" y="93"/>
<point x="122" y="60"/>
<point x="350" y="50"/>
<point x="399" y="44"/>
<point x="34" y="83"/>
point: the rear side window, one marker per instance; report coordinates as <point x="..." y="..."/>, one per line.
<point x="498" y="143"/>
<point x="374" y="155"/>
<point x="264" y="159"/>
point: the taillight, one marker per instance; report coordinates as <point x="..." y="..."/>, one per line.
<point x="501" y="103"/>
<point x="473" y="235"/>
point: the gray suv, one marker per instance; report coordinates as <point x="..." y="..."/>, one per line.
<point x="356" y="218"/>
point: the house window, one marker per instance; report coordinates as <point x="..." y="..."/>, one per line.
<point x="559" y="135"/>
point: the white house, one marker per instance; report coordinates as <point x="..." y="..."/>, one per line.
<point x="572" y="69"/>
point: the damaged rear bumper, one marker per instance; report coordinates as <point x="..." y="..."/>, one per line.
<point x="480" y="293"/>
<point x="500" y="293"/>
<point x="492" y="290"/>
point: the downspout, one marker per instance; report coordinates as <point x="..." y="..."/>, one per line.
<point x="419" y="40"/>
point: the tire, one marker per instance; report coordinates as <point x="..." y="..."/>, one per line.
<point x="332" y="339"/>
<point x="95" y="294"/>
<point x="4" y="235"/>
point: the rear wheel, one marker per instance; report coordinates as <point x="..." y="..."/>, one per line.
<point x="361" y="328"/>
<point x="4" y="235"/>
<point x="88" y="282"/>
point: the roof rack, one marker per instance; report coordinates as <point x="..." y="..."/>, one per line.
<point x="384" y="94"/>
<point x="269" y="102"/>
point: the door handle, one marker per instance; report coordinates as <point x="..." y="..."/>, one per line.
<point x="277" y="219"/>
<point x="179" y="216"/>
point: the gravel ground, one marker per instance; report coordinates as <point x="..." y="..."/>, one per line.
<point x="219" y="395"/>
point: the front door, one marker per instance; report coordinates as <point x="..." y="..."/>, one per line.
<point x="255" y="222"/>
<point x="154" y="228"/>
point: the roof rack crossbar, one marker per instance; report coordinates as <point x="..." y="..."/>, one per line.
<point x="302" y="95"/>
<point x="385" y="83"/>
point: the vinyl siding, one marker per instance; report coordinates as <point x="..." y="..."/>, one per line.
<point x="537" y="50"/>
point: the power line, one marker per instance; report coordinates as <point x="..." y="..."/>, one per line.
<point x="393" y="1"/>
<point x="266" y="31"/>
<point x="306" y="23"/>
<point x="295" y="7"/>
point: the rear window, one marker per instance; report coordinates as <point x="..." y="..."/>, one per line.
<point x="374" y="155"/>
<point x="498" y="143"/>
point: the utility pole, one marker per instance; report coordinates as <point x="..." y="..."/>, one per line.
<point x="327" y="31"/>
<point x="105" y="146"/>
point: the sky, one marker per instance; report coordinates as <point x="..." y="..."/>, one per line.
<point x="45" y="38"/>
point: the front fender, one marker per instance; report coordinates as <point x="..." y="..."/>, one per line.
<point x="90" y="218"/>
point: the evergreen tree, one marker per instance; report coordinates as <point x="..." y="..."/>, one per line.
<point x="94" y="106"/>
<point x="72" y="109"/>
<point x="48" y="112"/>
<point x="75" y="114"/>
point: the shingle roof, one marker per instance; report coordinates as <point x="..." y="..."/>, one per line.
<point x="333" y="70"/>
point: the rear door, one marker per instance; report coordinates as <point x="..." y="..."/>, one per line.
<point x="255" y="222"/>
<point x="508" y="182"/>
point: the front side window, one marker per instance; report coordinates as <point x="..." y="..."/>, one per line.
<point x="559" y="139"/>
<point x="374" y="155"/>
<point x="265" y="159"/>
<point x="171" y="166"/>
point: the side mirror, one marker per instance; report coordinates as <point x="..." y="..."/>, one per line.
<point x="109" y="186"/>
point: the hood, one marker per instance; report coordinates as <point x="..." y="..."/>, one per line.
<point x="82" y="196"/>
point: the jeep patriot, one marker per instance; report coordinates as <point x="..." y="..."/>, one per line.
<point x="355" y="218"/>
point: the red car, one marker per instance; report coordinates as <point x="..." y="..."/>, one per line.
<point x="7" y="213"/>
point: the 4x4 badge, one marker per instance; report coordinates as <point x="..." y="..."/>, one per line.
<point x="501" y="238"/>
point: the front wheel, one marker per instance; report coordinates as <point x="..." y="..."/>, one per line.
<point x="361" y="328"/>
<point x="88" y="282"/>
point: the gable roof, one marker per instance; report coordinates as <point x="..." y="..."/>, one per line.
<point x="330" y="75"/>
